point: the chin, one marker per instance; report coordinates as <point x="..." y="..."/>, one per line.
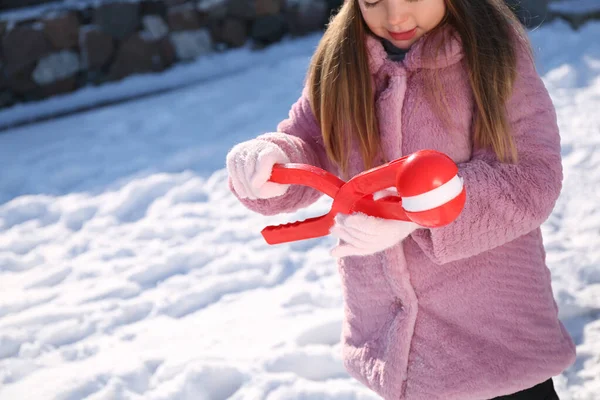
<point x="402" y="44"/>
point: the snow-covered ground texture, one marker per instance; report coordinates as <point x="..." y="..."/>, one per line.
<point x="129" y="272"/>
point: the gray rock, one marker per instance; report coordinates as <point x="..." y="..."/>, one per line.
<point x="183" y="18"/>
<point x="212" y="10"/>
<point x="167" y="51"/>
<point x="21" y="81"/>
<point x="306" y="16"/>
<point x="171" y="3"/>
<point x="56" y="67"/>
<point x="152" y="7"/>
<point x="233" y="32"/>
<point x="86" y="15"/>
<point x="268" y="7"/>
<point x="137" y="55"/>
<point x="96" y="47"/>
<point x="155" y="26"/>
<point x="66" y="85"/>
<point x="8" y="4"/>
<point x="22" y="47"/>
<point x="6" y="99"/>
<point x="118" y="19"/>
<point x="191" y="44"/>
<point x="62" y="30"/>
<point x="268" y="29"/>
<point x="3" y="78"/>
<point x="241" y="9"/>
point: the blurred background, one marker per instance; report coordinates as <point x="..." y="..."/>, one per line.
<point x="53" y="47"/>
<point x="127" y="269"/>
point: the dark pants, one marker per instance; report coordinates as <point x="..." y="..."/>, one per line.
<point x="543" y="391"/>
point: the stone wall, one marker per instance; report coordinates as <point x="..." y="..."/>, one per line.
<point x="64" y="48"/>
<point x="67" y="44"/>
<point x="11" y="4"/>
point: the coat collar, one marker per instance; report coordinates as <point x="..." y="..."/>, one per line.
<point x="419" y="56"/>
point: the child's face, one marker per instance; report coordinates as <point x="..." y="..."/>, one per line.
<point x="402" y="22"/>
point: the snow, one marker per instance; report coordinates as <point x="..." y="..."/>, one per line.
<point x="207" y="5"/>
<point x="129" y="272"/>
<point x="56" y="66"/>
<point x="155" y="26"/>
<point x="189" y="45"/>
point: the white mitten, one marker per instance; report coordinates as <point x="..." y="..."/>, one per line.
<point x="250" y="164"/>
<point x="365" y="235"/>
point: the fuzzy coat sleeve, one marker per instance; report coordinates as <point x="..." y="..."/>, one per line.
<point x="506" y="201"/>
<point x="299" y="136"/>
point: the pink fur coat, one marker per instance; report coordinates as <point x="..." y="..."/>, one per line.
<point x="463" y="312"/>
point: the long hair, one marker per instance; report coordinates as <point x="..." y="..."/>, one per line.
<point x="342" y="96"/>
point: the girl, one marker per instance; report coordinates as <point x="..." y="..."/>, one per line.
<point x="462" y="312"/>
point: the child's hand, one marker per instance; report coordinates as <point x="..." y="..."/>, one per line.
<point x="250" y="164"/>
<point x="364" y="235"/>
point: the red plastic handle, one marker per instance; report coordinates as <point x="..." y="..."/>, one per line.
<point x="428" y="181"/>
<point x="387" y="208"/>
<point x="301" y="230"/>
<point x="307" y="175"/>
<point x="365" y="184"/>
<point x="356" y="190"/>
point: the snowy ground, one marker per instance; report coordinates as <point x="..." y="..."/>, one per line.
<point x="128" y="272"/>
